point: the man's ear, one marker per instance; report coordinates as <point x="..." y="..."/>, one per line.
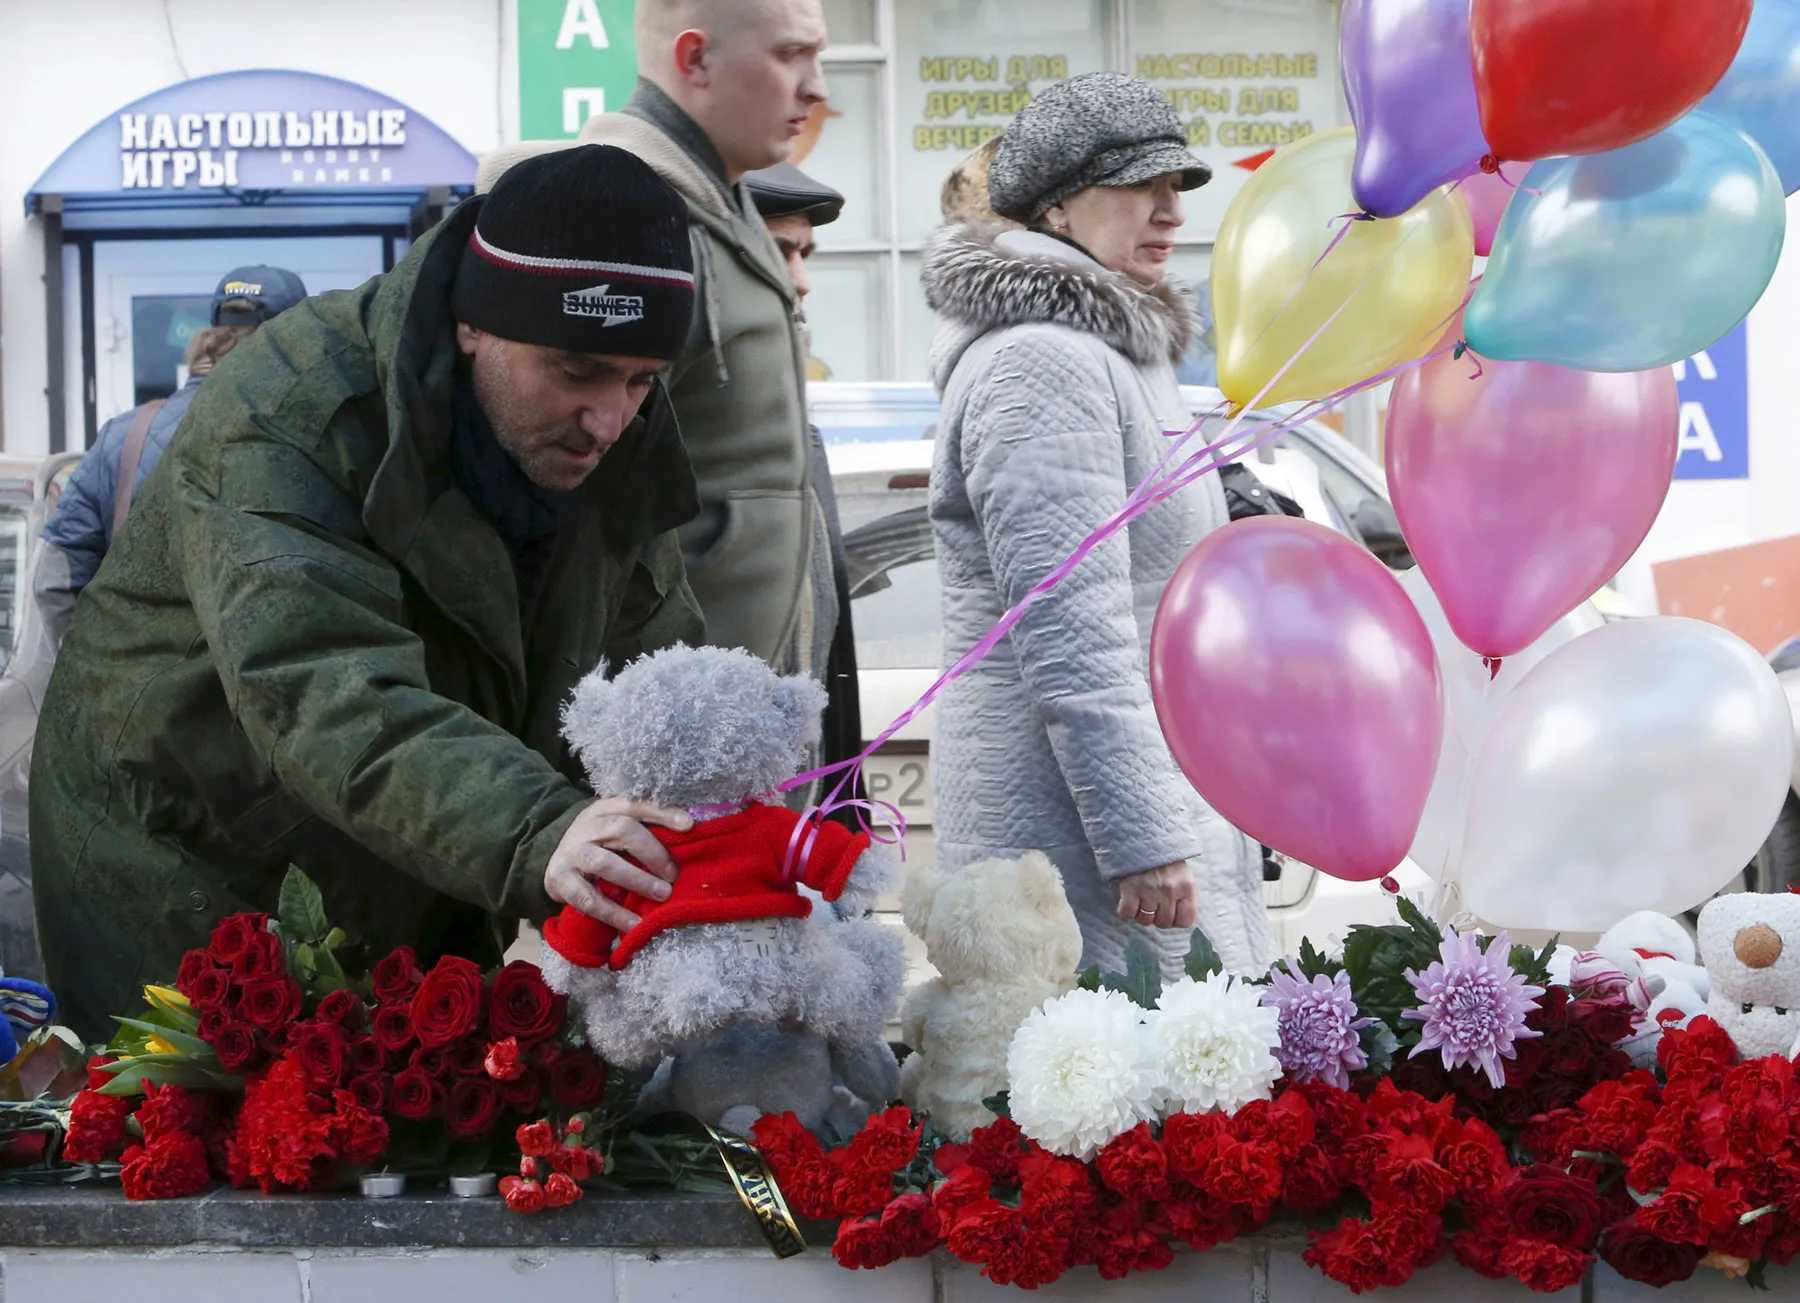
<point x="691" y="50"/>
<point x="468" y="338"/>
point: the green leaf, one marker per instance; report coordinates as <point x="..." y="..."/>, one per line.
<point x="1641" y="1199"/>
<point x="1313" y="964"/>
<point x="1757" y="1277"/>
<point x="1141" y="982"/>
<point x="1380" y="1044"/>
<point x="1000" y="1105"/>
<point x="335" y="938"/>
<point x="183" y="1042"/>
<point x="1419" y="922"/>
<point x="1089" y="979"/>
<point x="302" y="908"/>
<point x="167" y="1070"/>
<point x="1202" y="959"/>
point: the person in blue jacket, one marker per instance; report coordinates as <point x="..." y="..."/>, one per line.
<point x="95" y="500"/>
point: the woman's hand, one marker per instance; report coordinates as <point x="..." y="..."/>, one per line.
<point x="1159" y="897"/>
<point x="595" y="846"/>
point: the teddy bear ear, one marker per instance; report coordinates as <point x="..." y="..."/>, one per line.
<point x="585" y="716"/>
<point x="803" y="701"/>
<point x="917" y="894"/>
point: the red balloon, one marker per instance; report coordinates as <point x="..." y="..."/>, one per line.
<point x="1582" y="76"/>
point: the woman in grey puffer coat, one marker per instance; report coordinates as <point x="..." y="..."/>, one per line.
<point x="1055" y="355"/>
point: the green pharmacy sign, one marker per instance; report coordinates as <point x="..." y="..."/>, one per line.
<point x="576" y="58"/>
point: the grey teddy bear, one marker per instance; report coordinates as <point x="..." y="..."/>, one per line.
<point x="760" y="1003"/>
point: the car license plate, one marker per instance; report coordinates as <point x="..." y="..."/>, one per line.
<point x="903" y="780"/>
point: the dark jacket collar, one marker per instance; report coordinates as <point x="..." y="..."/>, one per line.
<point x="652" y="104"/>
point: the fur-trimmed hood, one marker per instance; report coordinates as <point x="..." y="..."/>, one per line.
<point x="980" y="278"/>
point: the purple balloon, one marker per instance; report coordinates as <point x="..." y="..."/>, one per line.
<point x="1524" y="488"/>
<point x="1410" y="80"/>
<point x="1297" y="688"/>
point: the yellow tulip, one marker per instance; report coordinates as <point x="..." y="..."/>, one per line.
<point x="1398" y="281"/>
<point x="169" y="997"/>
<point x="157" y="1045"/>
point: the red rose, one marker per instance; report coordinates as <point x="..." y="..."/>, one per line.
<point x="1308" y="1182"/>
<point x="468" y="1057"/>
<point x="1552" y="1012"/>
<point x="1570" y="1054"/>
<point x="232" y="937"/>
<point x="535" y="1139"/>
<point x="522" y="1006"/>
<point x="393" y="1029"/>
<point x="1135" y="1165"/>
<point x="472" y="1109"/>
<point x="448" y="1003"/>
<point x="96" y="1126"/>
<point x="1546" y="1204"/>
<point x="434" y="1062"/>
<point x="319" y="1046"/>
<point x="193" y="963"/>
<point x="397" y="977"/>
<point x="502" y="1062"/>
<point x="526" y="1095"/>
<point x="237" y="1047"/>
<point x="165" y="1109"/>
<point x="416" y="1095"/>
<point x="522" y="1196"/>
<point x="1638" y="1255"/>
<point x="270" y="1002"/>
<point x="261" y="957"/>
<point x="578" y="1080"/>
<point x="211" y="988"/>
<point x="170" y="1166"/>
<point x="560" y="1191"/>
<point x="344" y="1009"/>
<point x="1607" y="1021"/>
<point x="996" y="1149"/>
<point x="370" y="1090"/>
<point x="1191" y="1139"/>
<point x="1545" y="1267"/>
<point x="363" y="1055"/>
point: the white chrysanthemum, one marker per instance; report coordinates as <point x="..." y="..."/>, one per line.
<point x="1079" y="1074"/>
<point x="1214" y="1045"/>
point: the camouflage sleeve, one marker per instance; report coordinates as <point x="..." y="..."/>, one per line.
<point x="306" y="630"/>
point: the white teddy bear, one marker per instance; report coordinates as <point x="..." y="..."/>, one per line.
<point x="1004" y="940"/>
<point x="1751" y="944"/>
<point x="1649" y="959"/>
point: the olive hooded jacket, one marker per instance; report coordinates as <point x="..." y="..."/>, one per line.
<point x="306" y="648"/>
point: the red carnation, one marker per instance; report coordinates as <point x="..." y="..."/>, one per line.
<point x="260" y="957"/>
<point x="319" y="1048"/>
<point x="1545" y="1267"/>
<point x="967" y="1185"/>
<point x="96" y="1126"/>
<point x="522" y="1006"/>
<point x="1286" y="1122"/>
<point x="560" y="1191"/>
<point x="472" y="1108"/>
<point x="1245" y="1172"/>
<point x="1191" y="1139"/>
<point x="996" y="1149"/>
<point x="522" y="1196"/>
<point x="907" y="1228"/>
<point x="578" y="1079"/>
<point x="578" y="1162"/>
<point x="1308" y="1181"/>
<point x="370" y="1090"/>
<point x="1408" y="1174"/>
<point x="503" y="1062"/>
<point x="393" y="1028"/>
<point x="1474" y="1155"/>
<point x="270" y="1002"/>
<point x="344" y="1009"/>
<point x="397" y="977"/>
<point x="1687" y="1208"/>
<point x="165" y="1109"/>
<point x="1481" y="1253"/>
<point x="1543" y="1203"/>
<point x="1135" y="1165"/>
<point x="211" y="987"/>
<point x="983" y="1231"/>
<point x="448" y="1003"/>
<point x="237" y="1047"/>
<point x="1638" y="1255"/>
<point x="232" y="937"/>
<point x="170" y="1166"/>
<point x="1357" y="1257"/>
<point x="1651" y="1167"/>
<point x="193" y="963"/>
<point x="535" y="1139"/>
<point x="887" y="1142"/>
<point x="416" y="1095"/>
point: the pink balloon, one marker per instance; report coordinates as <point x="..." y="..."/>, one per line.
<point x="1524" y="488"/>
<point x="1488" y="194"/>
<point x="1297" y="688"/>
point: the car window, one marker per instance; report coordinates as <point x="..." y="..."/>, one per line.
<point x="1358" y="509"/>
<point x="893" y="580"/>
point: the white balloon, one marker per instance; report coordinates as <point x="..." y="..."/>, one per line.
<point x="1638" y="767"/>
<point x="1472" y="700"/>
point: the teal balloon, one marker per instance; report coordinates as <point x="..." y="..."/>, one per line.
<point x="1760" y="93"/>
<point x="1634" y="258"/>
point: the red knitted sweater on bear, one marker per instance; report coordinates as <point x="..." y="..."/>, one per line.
<point x="729" y="871"/>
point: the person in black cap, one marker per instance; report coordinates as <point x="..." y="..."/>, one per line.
<point x="127" y="448"/>
<point x="339" y="632"/>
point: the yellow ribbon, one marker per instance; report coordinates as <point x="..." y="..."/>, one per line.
<point x="756" y="1186"/>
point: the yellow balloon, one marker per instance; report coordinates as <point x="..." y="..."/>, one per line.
<point x="1402" y="279"/>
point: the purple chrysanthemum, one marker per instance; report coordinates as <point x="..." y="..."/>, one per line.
<point x="1473" y="1005"/>
<point x="1319" y="1027"/>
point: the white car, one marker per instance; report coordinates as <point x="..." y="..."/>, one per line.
<point x="878" y="441"/>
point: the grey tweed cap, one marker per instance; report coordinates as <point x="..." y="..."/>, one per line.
<point x="1101" y="128"/>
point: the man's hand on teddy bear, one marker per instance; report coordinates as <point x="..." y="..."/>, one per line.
<point x="594" y="850"/>
<point x="1162" y="897"/>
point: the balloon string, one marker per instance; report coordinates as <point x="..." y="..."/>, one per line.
<point x="1449" y="892"/>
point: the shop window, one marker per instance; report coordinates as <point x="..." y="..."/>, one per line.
<point x="916" y="322"/>
<point x="1245" y="75"/>
<point x="965" y="67"/>
<point x="850" y="22"/>
<point x="843" y="317"/>
<point x="161" y="325"/>
<point x="846" y="154"/>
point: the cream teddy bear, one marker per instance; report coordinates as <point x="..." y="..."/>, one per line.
<point x="1004" y="940"/>
<point x="1649" y="959"/>
<point x="1751" y="944"/>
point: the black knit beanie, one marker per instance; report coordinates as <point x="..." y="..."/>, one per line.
<point x="583" y="249"/>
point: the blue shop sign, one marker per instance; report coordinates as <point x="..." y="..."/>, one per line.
<point x="1714" y="385"/>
